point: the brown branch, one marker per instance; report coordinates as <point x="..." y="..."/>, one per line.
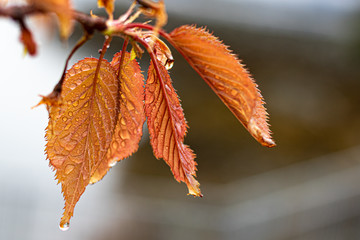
<point x="17" y="13"/>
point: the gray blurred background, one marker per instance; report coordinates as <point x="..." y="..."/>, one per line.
<point x="305" y="56"/>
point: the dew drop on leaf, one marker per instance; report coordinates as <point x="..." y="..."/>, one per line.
<point x="72" y="86"/>
<point x="149" y="99"/>
<point x="130" y="106"/>
<point x="71" y="72"/>
<point x="150" y="80"/>
<point x="115" y="145"/>
<point x="124" y="134"/>
<point x="85" y="67"/>
<point x="69" y="168"/>
<point x="122" y="121"/>
<point x="111" y="164"/>
<point x="64" y="227"/>
<point x="169" y="64"/>
<point x="168" y="89"/>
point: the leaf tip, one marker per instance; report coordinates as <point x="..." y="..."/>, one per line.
<point x="193" y="186"/>
<point x="64" y="226"/>
<point x="260" y="134"/>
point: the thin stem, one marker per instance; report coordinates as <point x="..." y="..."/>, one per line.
<point x="102" y="53"/>
<point x="121" y="60"/>
<point x="81" y="42"/>
<point x="19" y="12"/>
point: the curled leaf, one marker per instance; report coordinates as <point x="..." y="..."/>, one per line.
<point x="81" y="127"/>
<point x="131" y="118"/>
<point x="161" y="50"/>
<point x="167" y="127"/>
<point x="227" y="77"/>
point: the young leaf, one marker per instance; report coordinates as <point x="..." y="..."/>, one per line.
<point x="131" y="118"/>
<point x="62" y="9"/>
<point x="108" y="5"/>
<point x="167" y="127"/>
<point x="161" y="50"/>
<point x="81" y="127"/>
<point x="224" y="73"/>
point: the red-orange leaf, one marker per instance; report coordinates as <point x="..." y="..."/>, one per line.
<point x="167" y="127"/>
<point x="131" y="118"/>
<point x="108" y="5"/>
<point x="81" y="127"/>
<point x="224" y="73"/>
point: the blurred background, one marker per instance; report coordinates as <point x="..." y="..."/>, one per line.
<point x="305" y="56"/>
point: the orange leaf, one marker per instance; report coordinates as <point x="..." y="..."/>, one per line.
<point x="62" y="9"/>
<point x="108" y="5"/>
<point x="227" y="77"/>
<point x="167" y="127"/>
<point x="81" y="127"/>
<point x="131" y="119"/>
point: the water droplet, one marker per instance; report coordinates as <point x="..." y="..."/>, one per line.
<point x="130" y="106"/>
<point x="71" y="72"/>
<point x="168" y="89"/>
<point x="86" y="104"/>
<point x="178" y="127"/>
<point x="69" y="102"/>
<point x="234" y="92"/>
<point x="64" y="119"/>
<point x="73" y="86"/>
<point x="69" y="168"/>
<point x="149" y="99"/>
<point x="124" y="134"/>
<point x="70" y="114"/>
<point x="115" y="145"/>
<point x="122" y="121"/>
<point x="169" y="64"/>
<point x="76" y="103"/>
<point x="135" y="131"/>
<point x="64" y="226"/>
<point x="113" y="163"/>
<point x="85" y="67"/>
<point x="151" y="87"/>
<point x="83" y="96"/>
<point x="78" y="81"/>
<point x="123" y="143"/>
<point x="77" y="119"/>
<point x="220" y="87"/>
<point x="151" y="80"/>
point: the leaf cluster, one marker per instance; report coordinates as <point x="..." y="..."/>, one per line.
<point x="98" y="108"/>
